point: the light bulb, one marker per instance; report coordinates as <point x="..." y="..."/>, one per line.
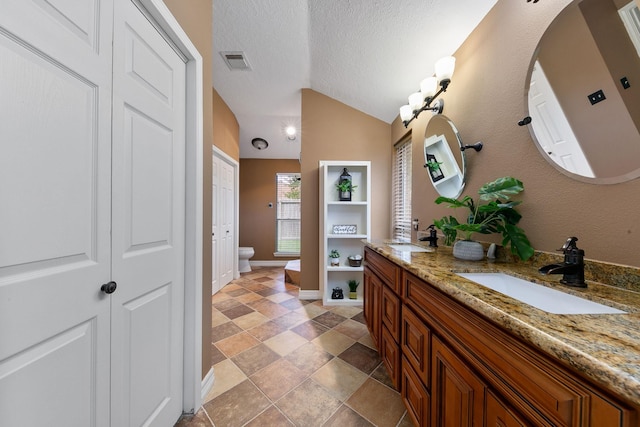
<point x="416" y="100"/>
<point x="445" y="67"/>
<point x="406" y="113"/>
<point x="291" y="133"/>
<point x="428" y="87"/>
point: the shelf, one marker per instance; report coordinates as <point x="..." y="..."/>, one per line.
<point x="446" y="179"/>
<point x="344" y="268"/>
<point x="354" y="215"/>
<point x="345" y="301"/>
<point x="352" y="203"/>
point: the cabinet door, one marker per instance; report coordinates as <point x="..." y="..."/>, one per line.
<point x="499" y="414"/>
<point x="414" y="394"/>
<point x="415" y="341"/>
<point x="372" y="294"/>
<point x="390" y="312"/>
<point x="458" y="394"/>
<point x="390" y="355"/>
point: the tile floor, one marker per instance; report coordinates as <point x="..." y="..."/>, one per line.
<point x="280" y="361"/>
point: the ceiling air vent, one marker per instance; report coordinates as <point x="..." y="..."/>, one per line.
<point x="235" y="60"/>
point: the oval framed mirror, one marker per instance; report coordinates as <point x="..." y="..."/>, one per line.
<point x="444" y="159"/>
<point x="583" y="94"/>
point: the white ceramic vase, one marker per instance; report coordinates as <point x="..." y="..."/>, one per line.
<point x="468" y="250"/>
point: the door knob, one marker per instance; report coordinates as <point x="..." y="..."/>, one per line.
<point x="109" y="288"/>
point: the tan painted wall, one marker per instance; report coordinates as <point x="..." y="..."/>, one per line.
<point x="334" y="131"/>
<point x="257" y="190"/>
<point x="486" y="99"/>
<point x="226" y="131"/>
<point x="195" y="17"/>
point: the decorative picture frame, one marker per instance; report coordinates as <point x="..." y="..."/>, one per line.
<point x="345" y="229"/>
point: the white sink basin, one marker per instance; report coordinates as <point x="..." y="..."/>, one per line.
<point x="547" y="299"/>
<point x="409" y="248"/>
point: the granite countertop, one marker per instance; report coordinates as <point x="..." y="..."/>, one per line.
<point x="603" y="347"/>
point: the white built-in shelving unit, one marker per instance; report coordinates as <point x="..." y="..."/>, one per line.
<point x="334" y="212"/>
<point x="450" y="185"/>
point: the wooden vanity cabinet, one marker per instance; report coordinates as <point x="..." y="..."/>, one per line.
<point x="484" y="375"/>
<point x="382" y="309"/>
<point x="455" y="367"/>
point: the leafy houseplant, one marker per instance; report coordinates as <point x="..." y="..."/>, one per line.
<point x="335" y="257"/>
<point x="345" y="187"/>
<point x="498" y="215"/>
<point x="433" y="165"/>
<point x="353" y="288"/>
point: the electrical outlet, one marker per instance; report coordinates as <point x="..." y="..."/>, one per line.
<point x="625" y="83"/>
<point x="596" y="97"/>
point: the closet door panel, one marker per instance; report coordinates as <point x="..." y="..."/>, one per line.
<point x="55" y="168"/>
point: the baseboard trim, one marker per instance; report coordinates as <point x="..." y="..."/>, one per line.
<point x="271" y="263"/>
<point x="207" y="384"/>
<point x="309" y="294"/>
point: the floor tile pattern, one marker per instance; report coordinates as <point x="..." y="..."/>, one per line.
<point x="281" y="361"/>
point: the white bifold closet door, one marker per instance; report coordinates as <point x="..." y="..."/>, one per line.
<point x="91" y="192"/>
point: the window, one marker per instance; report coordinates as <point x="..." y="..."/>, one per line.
<point x="288" y="214"/>
<point x="401" y="191"/>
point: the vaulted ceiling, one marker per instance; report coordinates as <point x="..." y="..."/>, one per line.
<point x="368" y="54"/>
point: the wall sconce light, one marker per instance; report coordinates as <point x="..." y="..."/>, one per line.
<point x="421" y="101"/>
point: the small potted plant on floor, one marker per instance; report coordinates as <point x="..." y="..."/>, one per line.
<point x="353" y="288"/>
<point x="498" y="215"/>
<point x="334" y="256"/>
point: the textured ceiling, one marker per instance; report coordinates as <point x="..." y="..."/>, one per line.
<point x="369" y="54"/>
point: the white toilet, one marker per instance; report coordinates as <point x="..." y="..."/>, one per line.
<point x="244" y="253"/>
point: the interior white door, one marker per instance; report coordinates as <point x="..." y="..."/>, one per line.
<point x="215" y="229"/>
<point x="227" y="222"/>
<point x="552" y="128"/>
<point x="224" y="220"/>
<point x="55" y="168"/>
<point x="148" y="223"/>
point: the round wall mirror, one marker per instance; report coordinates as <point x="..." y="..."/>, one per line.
<point x="583" y="94"/>
<point x="444" y="160"/>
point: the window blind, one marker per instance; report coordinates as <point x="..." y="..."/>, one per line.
<point x="401" y="191"/>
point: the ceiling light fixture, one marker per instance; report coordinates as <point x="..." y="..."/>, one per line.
<point x="291" y="133"/>
<point x="421" y="101"/>
<point x="259" y="143"/>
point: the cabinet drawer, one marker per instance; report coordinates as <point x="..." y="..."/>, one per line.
<point x="416" y="344"/>
<point x="385" y="269"/>
<point x="390" y="355"/>
<point x="415" y="396"/>
<point x="391" y="312"/>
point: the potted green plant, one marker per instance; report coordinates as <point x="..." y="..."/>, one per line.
<point x="353" y="288"/>
<point x="433" y="165"/>
<point x="334" y="255"/>
<point x="345" y="188"/>
<point x="497" y="215"/>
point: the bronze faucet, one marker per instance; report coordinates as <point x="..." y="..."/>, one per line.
<point x="572" y="269"/>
